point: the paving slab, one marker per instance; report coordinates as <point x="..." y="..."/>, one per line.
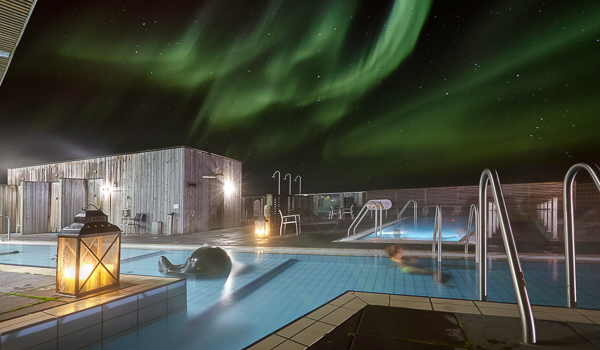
<point x="496" y="332"/>
<point x="14" y="282"/>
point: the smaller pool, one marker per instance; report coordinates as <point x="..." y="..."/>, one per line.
<point x="454" y="229"/>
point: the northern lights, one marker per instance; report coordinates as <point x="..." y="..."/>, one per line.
<point x="352" y="95"/>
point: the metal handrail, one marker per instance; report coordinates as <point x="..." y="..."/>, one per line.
<point x="437" y="229"/>
<point x="472" y="216"/>
<point x="527" y="320"/>
<point x="361" y="215"/>
<point x="406" y="206"/>
<point x="8" y="230"/>
<point x="569" y="216"/>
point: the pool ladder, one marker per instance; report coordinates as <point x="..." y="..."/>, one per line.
<point x="527" y="320"/>
<point x="414" y="202"/>
<point x="378" y="207"/>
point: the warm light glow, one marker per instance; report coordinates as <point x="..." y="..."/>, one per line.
<point x="84" y="272"/>
<point x="261" y="228"/>
<point x="228" y="187"/>
<point x="107" y="189"/>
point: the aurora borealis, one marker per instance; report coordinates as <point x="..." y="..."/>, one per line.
<point x="352" y="95"/>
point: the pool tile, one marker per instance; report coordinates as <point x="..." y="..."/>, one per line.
<point x="176" y="303"/>
<point x="338" y="316"/>
<point x="409" y="298"/>
<point x="77" y="321"/>
<point x="119" y="307"/>
<point x="119" y="324"/>
<point x="452" y="302"/>
<point x="81" y="338"/>
<point x="342" y="299"/>
<point x="564" y="317"/>
<point x="492" y="311"/>
<point x="152" y="297"/>
<point x="313" y="333"/>
<point x="295" y="327"/>
<point x="176" y="289"/>
<point x="290" y="345"/>
<point x="461" y="309"/>
<point x="268" y="343"/>
<point x="30" y="336"/>
<point x="152" y="312"/>
<point x="51" y="345"/>
<point x="322" y="312"/>
<point x="411" y="304"/>
<point x="488" y="304"/>
<point x="355" y="304"/>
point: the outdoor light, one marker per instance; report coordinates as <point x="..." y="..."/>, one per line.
<point x="89" y="253"/>
<point x="228" y="187"/>
<point x="261" y="227"/>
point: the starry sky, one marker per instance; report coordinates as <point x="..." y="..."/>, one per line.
<point x="351" y="95"/>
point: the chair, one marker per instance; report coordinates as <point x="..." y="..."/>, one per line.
<point x="289" y="219"/>
<point x="135" y="222"/>
<point x="334" y="211"/>
<point x="348" y="211"/>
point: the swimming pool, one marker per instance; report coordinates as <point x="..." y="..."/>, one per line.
<point x="232" y="312"/>
<point x="454" y="229"/>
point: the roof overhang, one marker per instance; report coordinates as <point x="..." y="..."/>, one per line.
<point x="14" y="15"/>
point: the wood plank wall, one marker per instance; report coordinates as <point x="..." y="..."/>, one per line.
<point x="198" y="201"/>
<point x="35" y="207"/>
<point x="151" y="182"/>
<point x="73" y="197"/>
<point x="8" y="206"/>
<point x="521" y="199"/>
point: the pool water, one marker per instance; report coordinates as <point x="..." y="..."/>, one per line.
<point x="454" y="228"/>
<point x="264" y="292"/>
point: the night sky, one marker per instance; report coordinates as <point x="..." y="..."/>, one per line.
<point x="351" y="95"/>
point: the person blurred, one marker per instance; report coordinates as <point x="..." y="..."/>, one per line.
<point x="409" y="265"/>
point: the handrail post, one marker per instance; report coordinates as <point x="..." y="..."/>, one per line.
<point x="8" y="228"/>
<point x="527" y="320"/>
<point x="569" y="216"/>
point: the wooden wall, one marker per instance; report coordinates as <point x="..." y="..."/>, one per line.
<point x="34" y="208"/>
<point x="521" y="199"/>
<point x="199" y="201"/>
<point x="8" y="206"/>
<point x="151" y="182"/>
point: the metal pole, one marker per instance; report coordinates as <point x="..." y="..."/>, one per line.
<point x="8" y="228"/>
<point x="278" y="181"/>
<point x="439" y="223"/>
<point x="290" y="182"/>
<point x="527" y="320"/>
<point x="569" y="216"/>
<point x="299" y="184"/>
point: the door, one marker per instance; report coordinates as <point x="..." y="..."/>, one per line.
<point x="216" y="204"/>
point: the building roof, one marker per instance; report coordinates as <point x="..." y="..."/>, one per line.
<point x="123" y="154"/>
<point x="14" y="15"/>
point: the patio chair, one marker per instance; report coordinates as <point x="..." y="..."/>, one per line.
<point x="334" y="211"/>
<point x="135" y="222"/>
<point x="289" y="219"/>
<point x="348" y="211"/>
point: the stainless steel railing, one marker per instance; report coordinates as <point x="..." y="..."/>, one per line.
<point x="414" y="210"/>
<point x="472" y="218"/>
<point x="527" y="320"/>
<point x="437" y="230"/>
<point x="568" y="214"/>
<point x="363" y="212"/>
<point x="8" y="228"/>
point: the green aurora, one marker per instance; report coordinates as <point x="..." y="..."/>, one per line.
<point x="374" y="95"/>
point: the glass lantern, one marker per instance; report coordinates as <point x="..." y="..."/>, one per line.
<point x="89" y="253"/>
<point x="261" y="227"/>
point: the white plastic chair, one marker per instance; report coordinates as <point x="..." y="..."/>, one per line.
<point x="348" y="211"/>
<point x="334" y="211"/>
<point x="289" y="219"/>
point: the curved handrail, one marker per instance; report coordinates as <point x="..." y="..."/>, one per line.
<point x="472" y="216"/>
<point x="437" y="230"/>
<point x="406" y="206"/>
<point x="7" y="231"/>
<point x="568" y="214"/>
<point x="363" y="212"/>
<point x="527" y="320"/>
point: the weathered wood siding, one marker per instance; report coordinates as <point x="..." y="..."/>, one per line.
<point x="199" y="202"/>
<point x="34" y="207"/>
<point x="521" y="199"/>
<point x="8" y="206"/>
<point x="155" y="183"/>
<point x="73" y="196"/>
<point x="55" y="200"/>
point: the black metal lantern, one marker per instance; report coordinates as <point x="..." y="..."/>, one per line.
<point x="89" y="253"/>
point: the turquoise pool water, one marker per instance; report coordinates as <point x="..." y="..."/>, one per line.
<point x="454" y="228"/>
<point x="232" y="312"/>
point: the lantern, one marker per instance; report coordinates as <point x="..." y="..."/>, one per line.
<point x="89" y="253"/>
<point x="261" y="227"/>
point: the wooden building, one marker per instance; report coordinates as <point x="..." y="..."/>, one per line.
<point x="197" y="190"/>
